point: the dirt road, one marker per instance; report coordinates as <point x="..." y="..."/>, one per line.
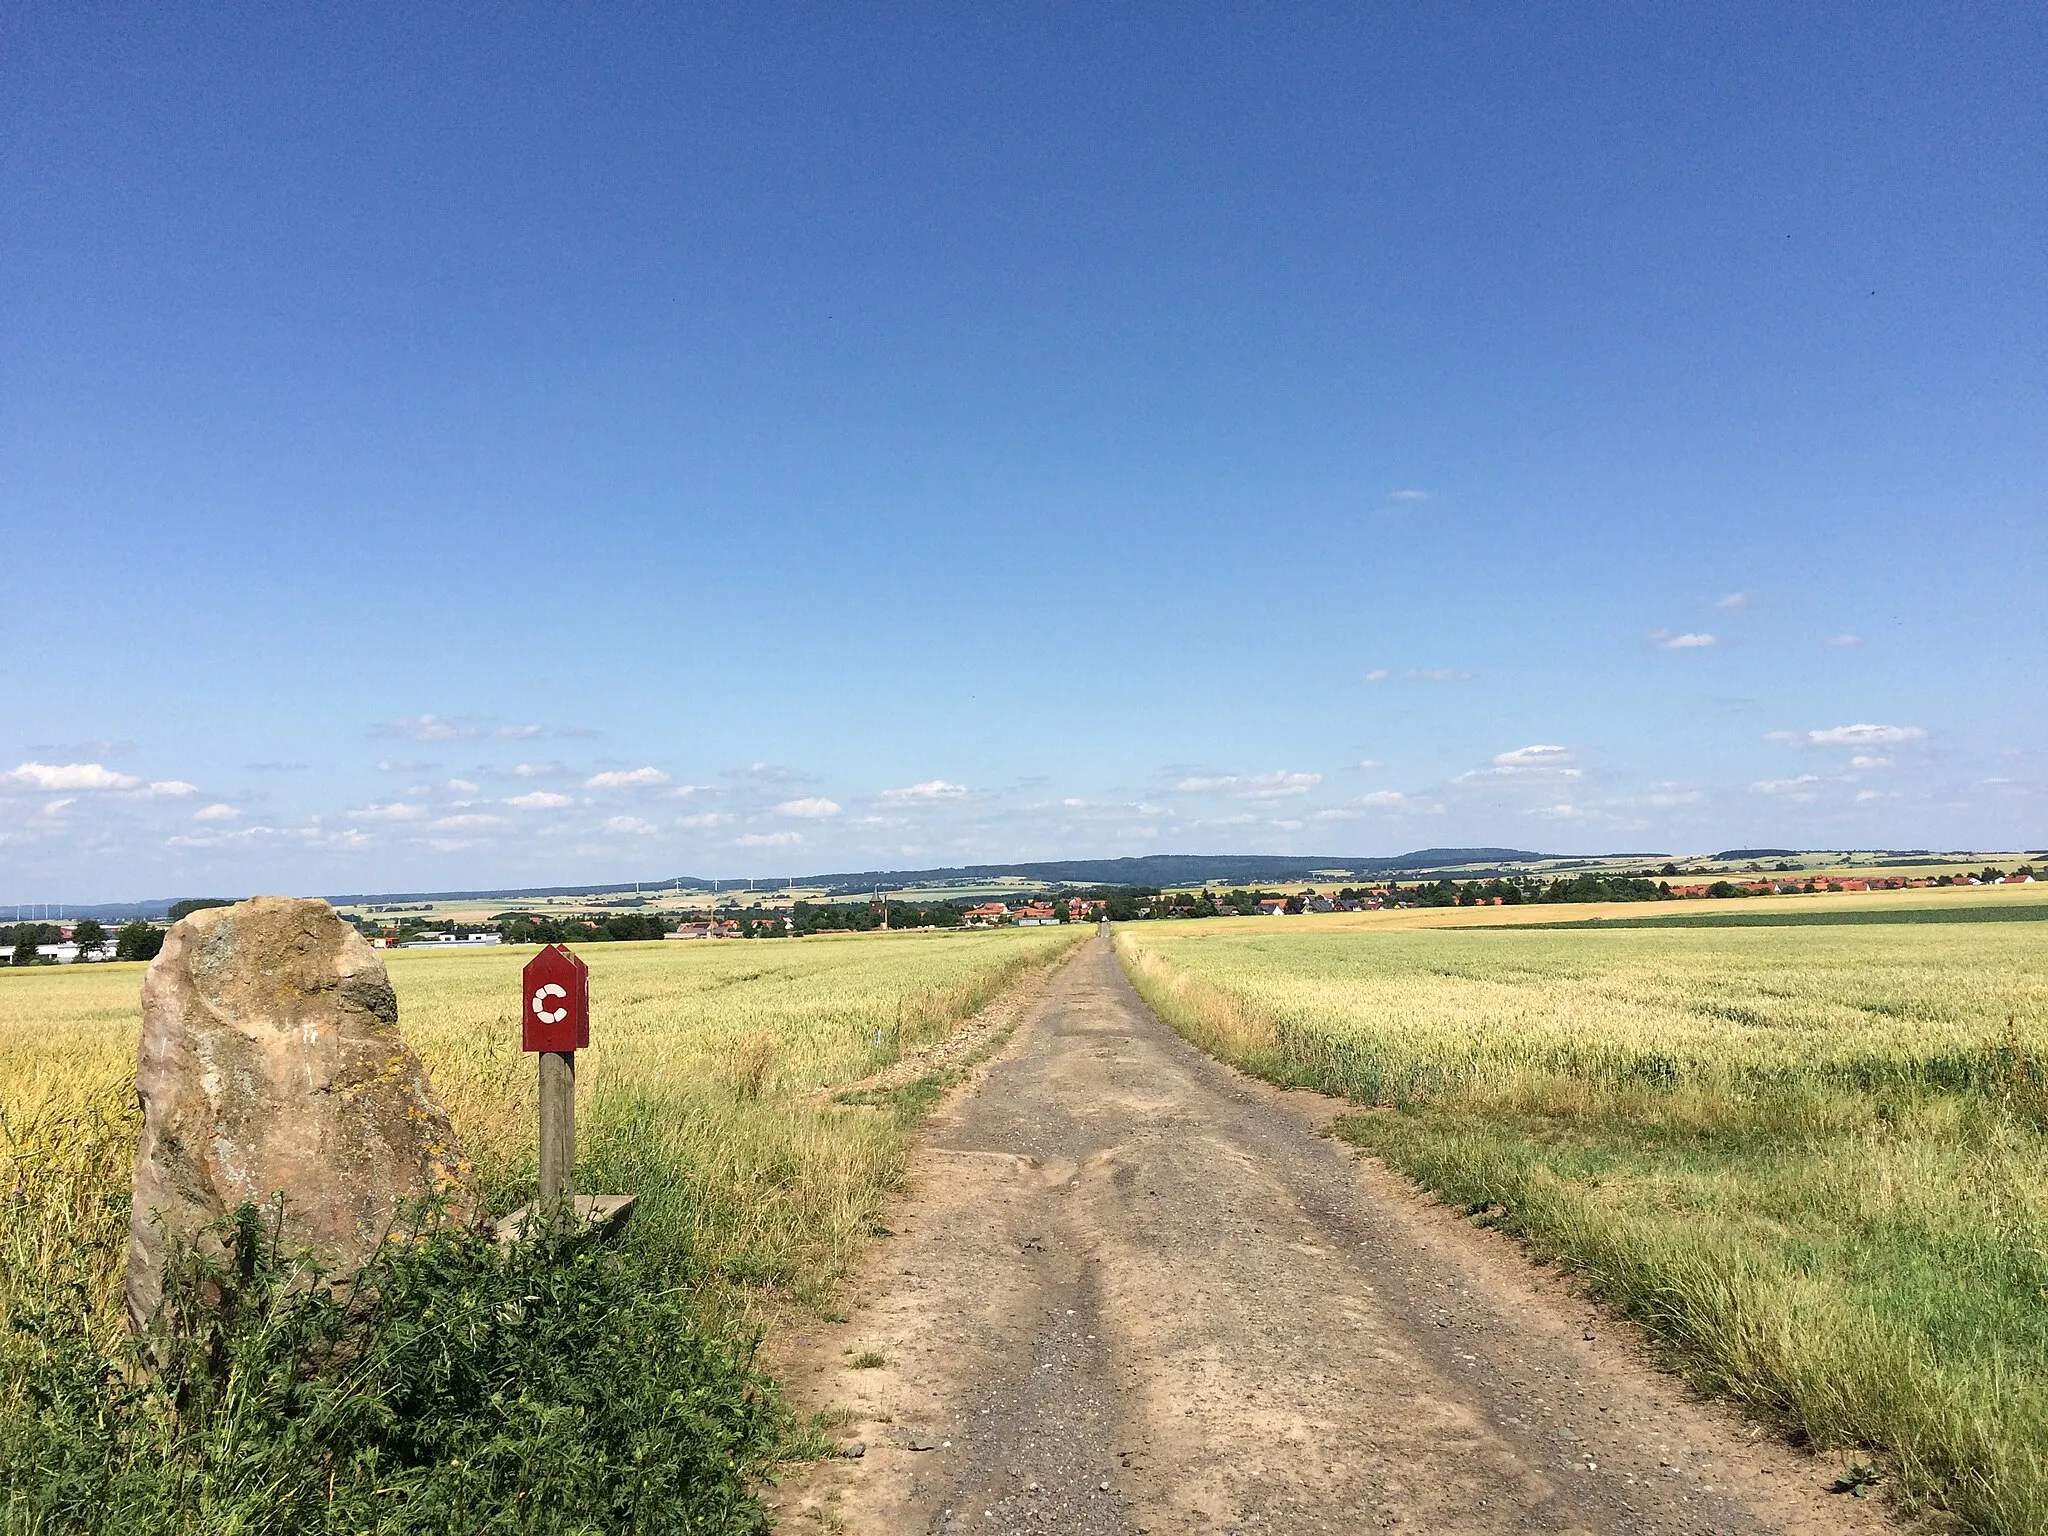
<point x="1133" y="1291"/>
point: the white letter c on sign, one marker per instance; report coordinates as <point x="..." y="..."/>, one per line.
<point x="545" y="1014"/>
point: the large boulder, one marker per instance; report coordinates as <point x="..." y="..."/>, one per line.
<point x="271" y="1065"/>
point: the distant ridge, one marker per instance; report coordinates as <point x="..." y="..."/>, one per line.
<point x="1163" y="869"/>
<point x="1153" y="869"/>
<point x="1182" y="868"/>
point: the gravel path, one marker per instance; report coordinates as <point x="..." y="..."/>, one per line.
<point x="1133" y="1291"/>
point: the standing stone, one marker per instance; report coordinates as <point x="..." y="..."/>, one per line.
<point x="271" y="1063"/>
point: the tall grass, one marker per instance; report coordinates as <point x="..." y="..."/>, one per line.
<point x="1811" y="1160"/>
<point x="708" y="1092"/>
<point x="703" y="1092"/>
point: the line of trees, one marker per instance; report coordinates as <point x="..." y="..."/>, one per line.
<point x="1507" y="892"/>
<point x="864" y="917"/>
<point x="573" y="928"/>
<point x="138" y="941"/>
<point x="35" y="943"/>
<point x="191" y="904"/>
<point x="28" y="939"/>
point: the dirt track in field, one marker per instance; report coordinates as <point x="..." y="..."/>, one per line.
<point x="1133" y="1291"/>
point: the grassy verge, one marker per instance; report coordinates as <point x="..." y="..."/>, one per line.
<point x="1810" y="1160"/>
<point x="1823" y="917"/>
<point x="562" y="1388"/>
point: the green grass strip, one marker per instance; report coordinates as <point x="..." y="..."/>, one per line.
<point x="2030" y="912"/>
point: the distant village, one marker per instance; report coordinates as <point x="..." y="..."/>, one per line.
<point x="411" y="926"/>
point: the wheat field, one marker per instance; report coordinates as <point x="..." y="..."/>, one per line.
<point x="1811" y="1159"/>
<point x="707" y="1092"/>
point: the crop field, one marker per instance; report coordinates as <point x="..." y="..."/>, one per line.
<point x="1808" y="1156"/>
<point x="709" y="1092"/>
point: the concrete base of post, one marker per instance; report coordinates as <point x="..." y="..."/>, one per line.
<point x="596" y="1216"/>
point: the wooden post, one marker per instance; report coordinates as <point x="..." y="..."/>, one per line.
<point x="554" y="1023"/>
<point x="557" y="1125"/>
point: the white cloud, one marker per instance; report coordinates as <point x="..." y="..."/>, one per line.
<point x="537" y="770"/>
<point x="687" y="791"/>
<point x="1564" y="813"/>
<point x="1358" y="805"/>
<point x="56" y="807"/>
<point x="69" y="776"/>
<point x="1532" y="757"/>
<point x="1512" y="772"/>
<point x="810" y="808"/>
<point x="1664" y="640"/>
<point x="217" y="812"/>
<point x="630" y="824"/>
<point x="460" y="787"/>
<point x="704" y="819"/>
<point x="1369" y="762"/>
<point x="928" y="791"/>
<point x="1408" y="495"/>
<point x="1733" y="601"/>
<point x="516" y="732"/>
<point x="1669" y="794"/>
<point x="161" y="789"/>
<point x="424" y="728"/>
<point x="1845" y="640"/>
<point x="1252" y="786"/>
<point x="1798" y="788"/>
<point x="1865" y="735"/>
<point x="1865" y="796"/>
<point x="625" y="778"/>
<point x="396" y="810"/>
<point x="1435" y="675"/>
<point x="769" y="839"/>
<point x="310" y="835"/>
<point x="541" y="800"/>
<point x="766" y="773"/>
<point x="1378" y="675"/>
<point x="469" y="821"/>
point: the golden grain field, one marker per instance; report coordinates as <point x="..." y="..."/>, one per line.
<point x="1811" y="1159"/>
<point x="705" y="1091"/>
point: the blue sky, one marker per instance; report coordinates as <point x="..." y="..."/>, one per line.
<point x="452" y="447"/>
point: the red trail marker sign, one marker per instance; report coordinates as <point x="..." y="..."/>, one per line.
<point x="556" y="986"/>
<point x="554" y="1022"/>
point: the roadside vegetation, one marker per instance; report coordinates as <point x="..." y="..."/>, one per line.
<point x="563" y="1386"/>
<point x="1812" y="1160"/>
